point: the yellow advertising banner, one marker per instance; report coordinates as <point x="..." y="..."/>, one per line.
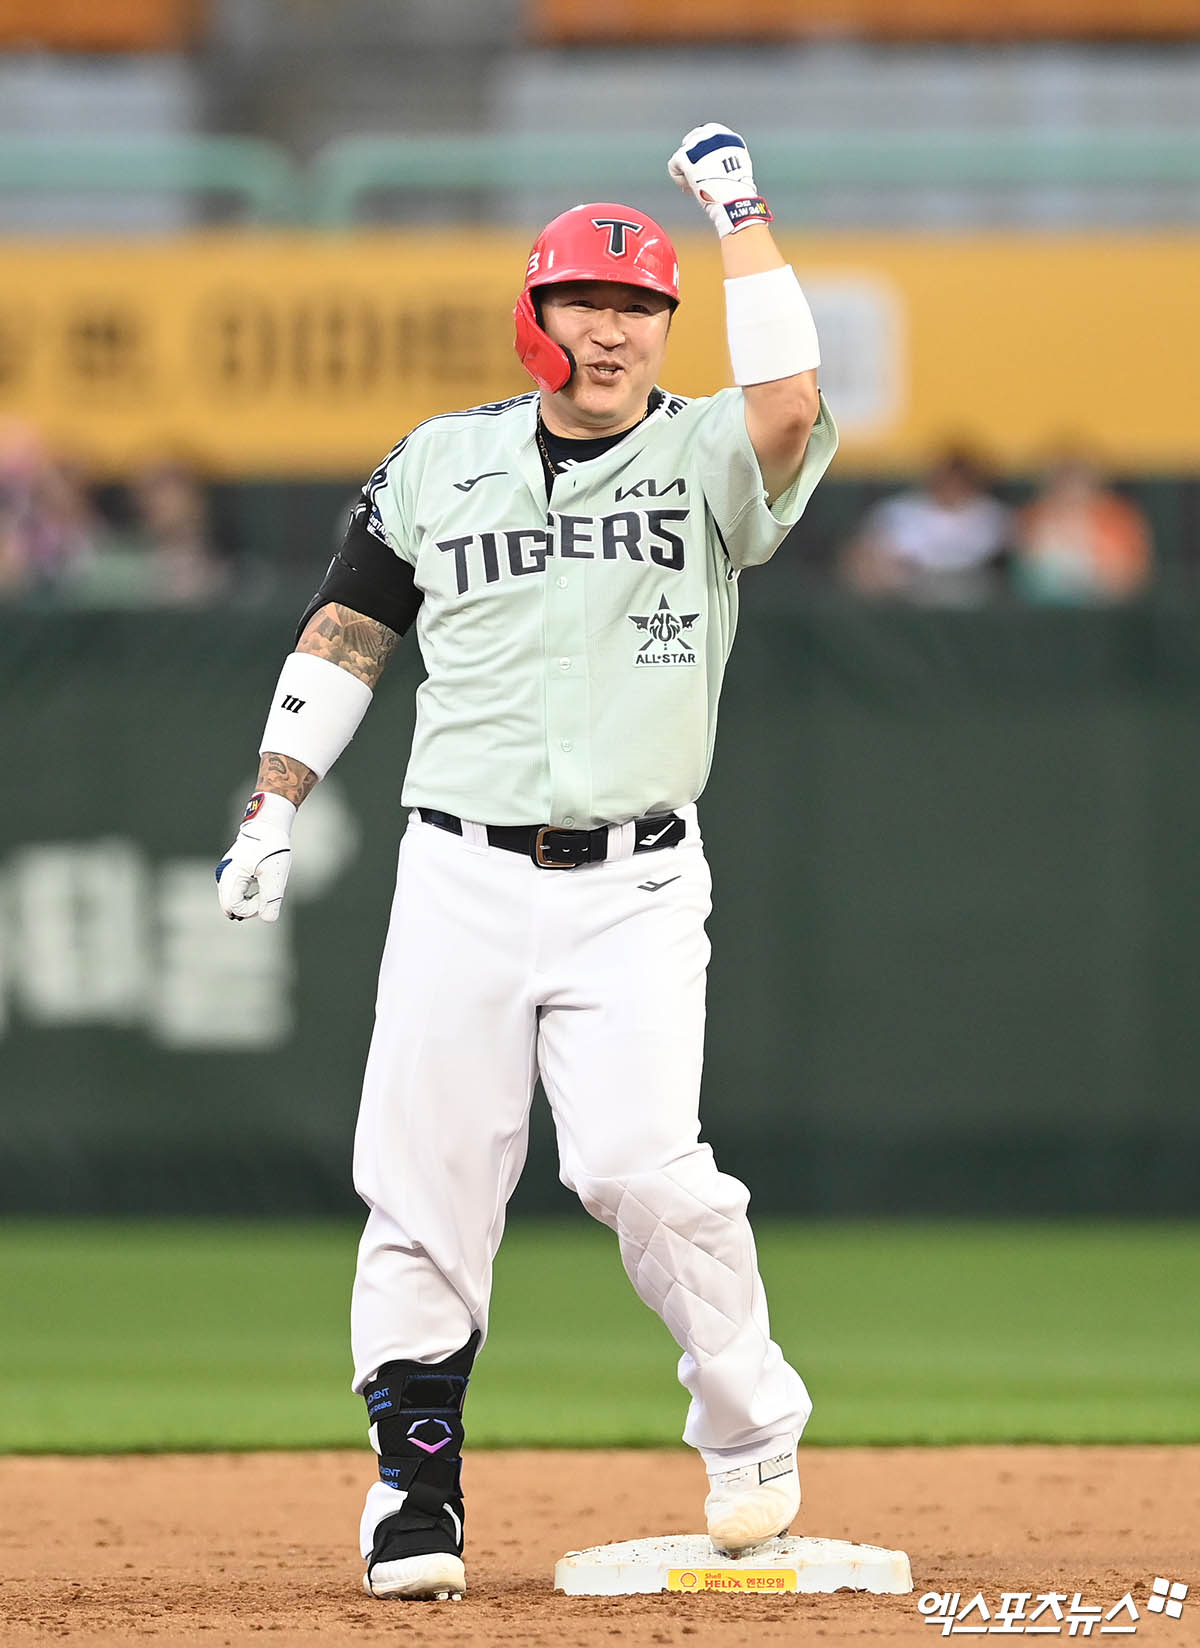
<point x="571" y="21"/>
<point x="278" y="354"/>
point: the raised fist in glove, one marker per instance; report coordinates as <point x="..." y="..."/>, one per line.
<point x="713" y="163"/>
<point x="252" y="875"/>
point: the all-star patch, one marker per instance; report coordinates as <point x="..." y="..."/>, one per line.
<point x="664" y="643"/>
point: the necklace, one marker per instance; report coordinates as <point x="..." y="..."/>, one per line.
<point x="551" y="466"/>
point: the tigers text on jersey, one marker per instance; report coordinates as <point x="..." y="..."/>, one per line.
<point x="575" y="650"/>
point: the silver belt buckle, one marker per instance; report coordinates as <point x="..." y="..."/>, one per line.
<point x="547" y="863"/>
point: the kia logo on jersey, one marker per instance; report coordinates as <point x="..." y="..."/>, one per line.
<point x="650" y="488"/>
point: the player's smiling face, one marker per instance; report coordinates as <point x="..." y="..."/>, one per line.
<point x="618" y="336"/>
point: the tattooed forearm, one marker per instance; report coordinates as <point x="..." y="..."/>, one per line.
<point x="285" y="776"/>
<point x="359" y="645"/>
<point x="344" y="637"/>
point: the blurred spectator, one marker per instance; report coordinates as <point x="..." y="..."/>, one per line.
<point x="49" y="526"/>
<point x="173" y="525"/>
<point x="1078" y="540"/>
<point x="940" y="544"/>
<point x="168" y="556"/>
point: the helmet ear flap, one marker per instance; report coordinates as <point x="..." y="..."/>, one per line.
<point x="548" y="363"/>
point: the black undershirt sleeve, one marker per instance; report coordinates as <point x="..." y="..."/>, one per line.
<point x="367" y="577"/>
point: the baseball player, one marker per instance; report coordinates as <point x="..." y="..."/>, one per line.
<point x="570" y="562"/>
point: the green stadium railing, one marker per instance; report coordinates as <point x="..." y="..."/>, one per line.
<point x="257" y="173"/>
<point x="334" y="191"/>
<point x="348" y="170"/>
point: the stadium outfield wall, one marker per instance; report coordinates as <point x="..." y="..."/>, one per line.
<point x="955" y="928"/>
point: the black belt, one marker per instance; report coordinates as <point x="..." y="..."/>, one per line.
<point x="554" y="849"/>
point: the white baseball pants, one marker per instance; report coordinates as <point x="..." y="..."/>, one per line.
<point x="495" y="970"/>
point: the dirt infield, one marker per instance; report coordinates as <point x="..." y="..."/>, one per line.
<point x="218" y="1550"/>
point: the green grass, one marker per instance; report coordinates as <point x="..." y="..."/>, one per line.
<point x="160" y="1335"/>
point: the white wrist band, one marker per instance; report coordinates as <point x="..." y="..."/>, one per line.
<point x="771" y="329"/>
<point x="315" y="711"/>
<point x="275" y="810"/>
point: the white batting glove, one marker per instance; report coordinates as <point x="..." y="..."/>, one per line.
<point x="713" y="163"/>
<point x="253" y="874"/>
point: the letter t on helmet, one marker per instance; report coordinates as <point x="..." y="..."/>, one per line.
<point x="600" y="241"/>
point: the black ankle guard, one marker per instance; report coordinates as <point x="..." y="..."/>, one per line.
<point x="417" y="1409"/>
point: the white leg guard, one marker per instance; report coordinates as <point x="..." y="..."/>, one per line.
<point x="689" y="1251"/>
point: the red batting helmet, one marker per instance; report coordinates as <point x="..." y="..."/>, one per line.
<point x="597" y="242"/>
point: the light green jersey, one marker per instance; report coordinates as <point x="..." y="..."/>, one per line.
<point x="575" y="650"/>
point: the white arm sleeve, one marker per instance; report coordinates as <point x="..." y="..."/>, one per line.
<point x="315" y="711"/>
<point x="771" y="330"/>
